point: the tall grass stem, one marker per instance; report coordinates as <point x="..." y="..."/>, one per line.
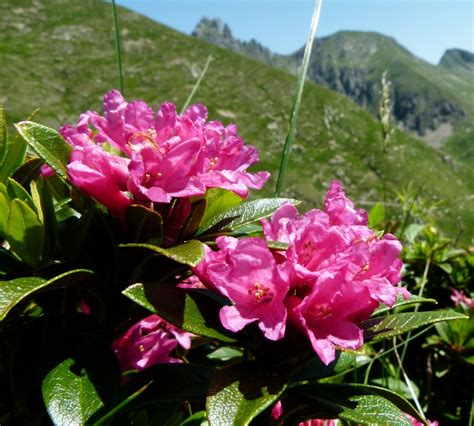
<point x="118" y="46"/>
<point x="297" y="98"/>
<point x="407" y="380"/>
<point x="196" y="86"/>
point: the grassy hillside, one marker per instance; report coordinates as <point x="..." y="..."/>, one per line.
<point x="59" y="55"/>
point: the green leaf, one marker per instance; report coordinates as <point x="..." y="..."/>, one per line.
<point x="14" y="291"/>
<point x="136" y="293"/>
<point x="240" y="392"/>
<point x="190" y="310"/>
<point x="4" y="141"/>
<point x="29" y="171"/>
<point x="4" y="213"/>
<point x="243" y="214"/>
<point x="277" y="245"/>
<point x="403" y="302"/>
<point x="197" y="419"/>
<point x="25" y="232"/>
<point x="362" y="404"/>
<point x="315" y="369"/>
<point x="189" y="253"/>
<point x="48" y="144"/>
<point x="144" y="225"/>
<point x="225" y="353"/>
<point x="14" y="158"/>
<point x="15" y="190"/>
<point x="376" y="215"/>
<point x="380" y="328"/>
<point x="69" y="396"/>
<point x="218" y="201"/>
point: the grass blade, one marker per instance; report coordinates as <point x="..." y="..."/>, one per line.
<point x="196" y="86"/>
<point x="297" y="99"/>
<point x="118" y="47"/>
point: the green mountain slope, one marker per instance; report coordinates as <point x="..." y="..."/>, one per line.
<point x="59" y="55"/>
<point x="458" y="60"/>
<point x="427" y="100"/>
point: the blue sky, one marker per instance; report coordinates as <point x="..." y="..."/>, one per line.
<point x="425" y="27"/>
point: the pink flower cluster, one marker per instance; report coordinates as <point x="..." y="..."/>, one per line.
<point x="149" y="342"/>
<point x="333" y="275"/>
<point x="130" y="155"/>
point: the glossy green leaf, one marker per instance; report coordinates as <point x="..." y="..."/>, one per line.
<point x="144" y="225"/>
<point x="361" y="404"/>
<point x="219" y="200"/>
<point x="190" y="310"/>
<point x="225" y="353"/>
<point x="315" y="369"/>
<point x="189" y="253"/>
<point x="69" y="395"/>
<point x="403" y="302"/>
<point x="48" y="144"/>
<point x="243" y="214"/>
<point x="136" y="293"/>
<point x="14" y="291"/>
<point x="376" y="215"/>
<point x="240" y="392"/>
<point x="25" y="232"/>
<point x="380" y="328"/>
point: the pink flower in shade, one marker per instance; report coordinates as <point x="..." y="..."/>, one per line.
<point x="246" y="272"/>
<point x="330" y="313"/>
<point x="149" y="342"/>
<point x="101" y="175"/>
<point x="460" y="299"/>
<point x="415" y="422"/>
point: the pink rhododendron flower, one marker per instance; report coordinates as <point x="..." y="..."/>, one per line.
<point x="415" y="422"/>
<point x="330" y="313"/>
<point x="333" y="275"/>
<point x="246" y="272"/>
<point x="149" y="342"/>
<point x="167" y="156"/>
<point x="102" y="175"/>
<point x="460" y="299"/>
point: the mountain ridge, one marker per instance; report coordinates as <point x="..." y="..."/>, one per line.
<point x="426" y="98"/>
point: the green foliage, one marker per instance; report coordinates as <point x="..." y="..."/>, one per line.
<point x="242" y="215"/>
<point x="61" y="385"/>
<point x="379" y="328"/>
<point x="237" y="394"/>
<point x="48" y="144"/>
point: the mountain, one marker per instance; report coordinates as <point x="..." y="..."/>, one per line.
<point x="458" y="60"/>
<point x="59" y="55"/>
<point x="427" y="100"/>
